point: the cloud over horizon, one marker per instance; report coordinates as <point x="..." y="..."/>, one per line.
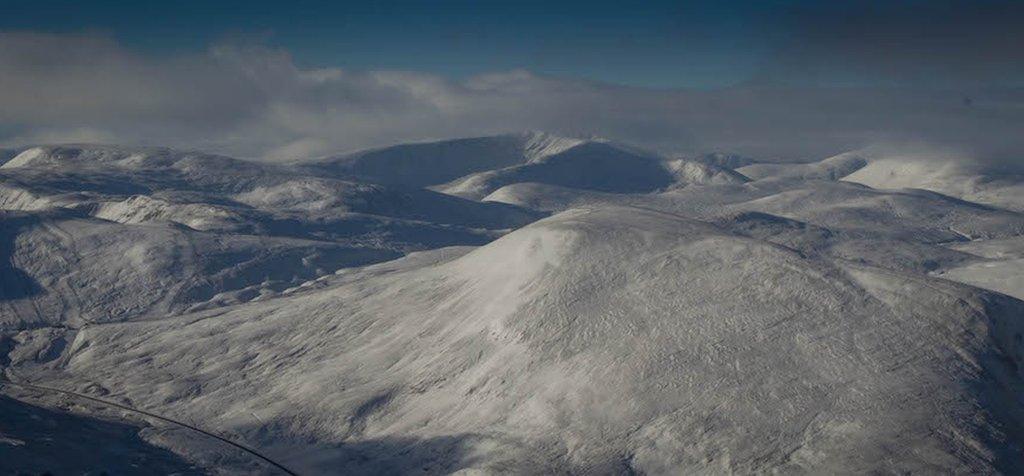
<point x="251" y="100"/>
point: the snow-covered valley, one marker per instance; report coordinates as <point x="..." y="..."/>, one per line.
<point x="523" y="303"/>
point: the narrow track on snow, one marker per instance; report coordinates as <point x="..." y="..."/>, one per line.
<point x="5" y="380"/>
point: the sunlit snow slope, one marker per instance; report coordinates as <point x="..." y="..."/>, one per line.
<point x="523" y="303"/>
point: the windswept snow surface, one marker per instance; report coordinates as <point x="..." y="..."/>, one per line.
<point x="948" y="175"/>
<point x="548" y="305"/>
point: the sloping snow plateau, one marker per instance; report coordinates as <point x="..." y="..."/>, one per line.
<point x="523" y="303"/>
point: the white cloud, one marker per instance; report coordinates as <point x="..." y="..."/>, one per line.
<point x="254" y="101"/>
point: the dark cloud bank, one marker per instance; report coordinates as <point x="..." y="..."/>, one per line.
<point x="941" y="77"/>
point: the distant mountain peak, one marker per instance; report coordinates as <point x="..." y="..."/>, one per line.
<point x="537" y="145"/>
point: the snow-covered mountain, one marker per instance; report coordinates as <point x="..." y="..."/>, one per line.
<point x="113" y="233"/>
<point x="976" y="182"/>
<point x="524" y="303"/>
<point x="950" y="175"/>
<point x="473" y="168"/>
<point x="434" y="163"/>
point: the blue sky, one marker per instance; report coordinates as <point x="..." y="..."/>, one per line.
<point x="654" y="44"/>
<point x="660" y="44"/>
